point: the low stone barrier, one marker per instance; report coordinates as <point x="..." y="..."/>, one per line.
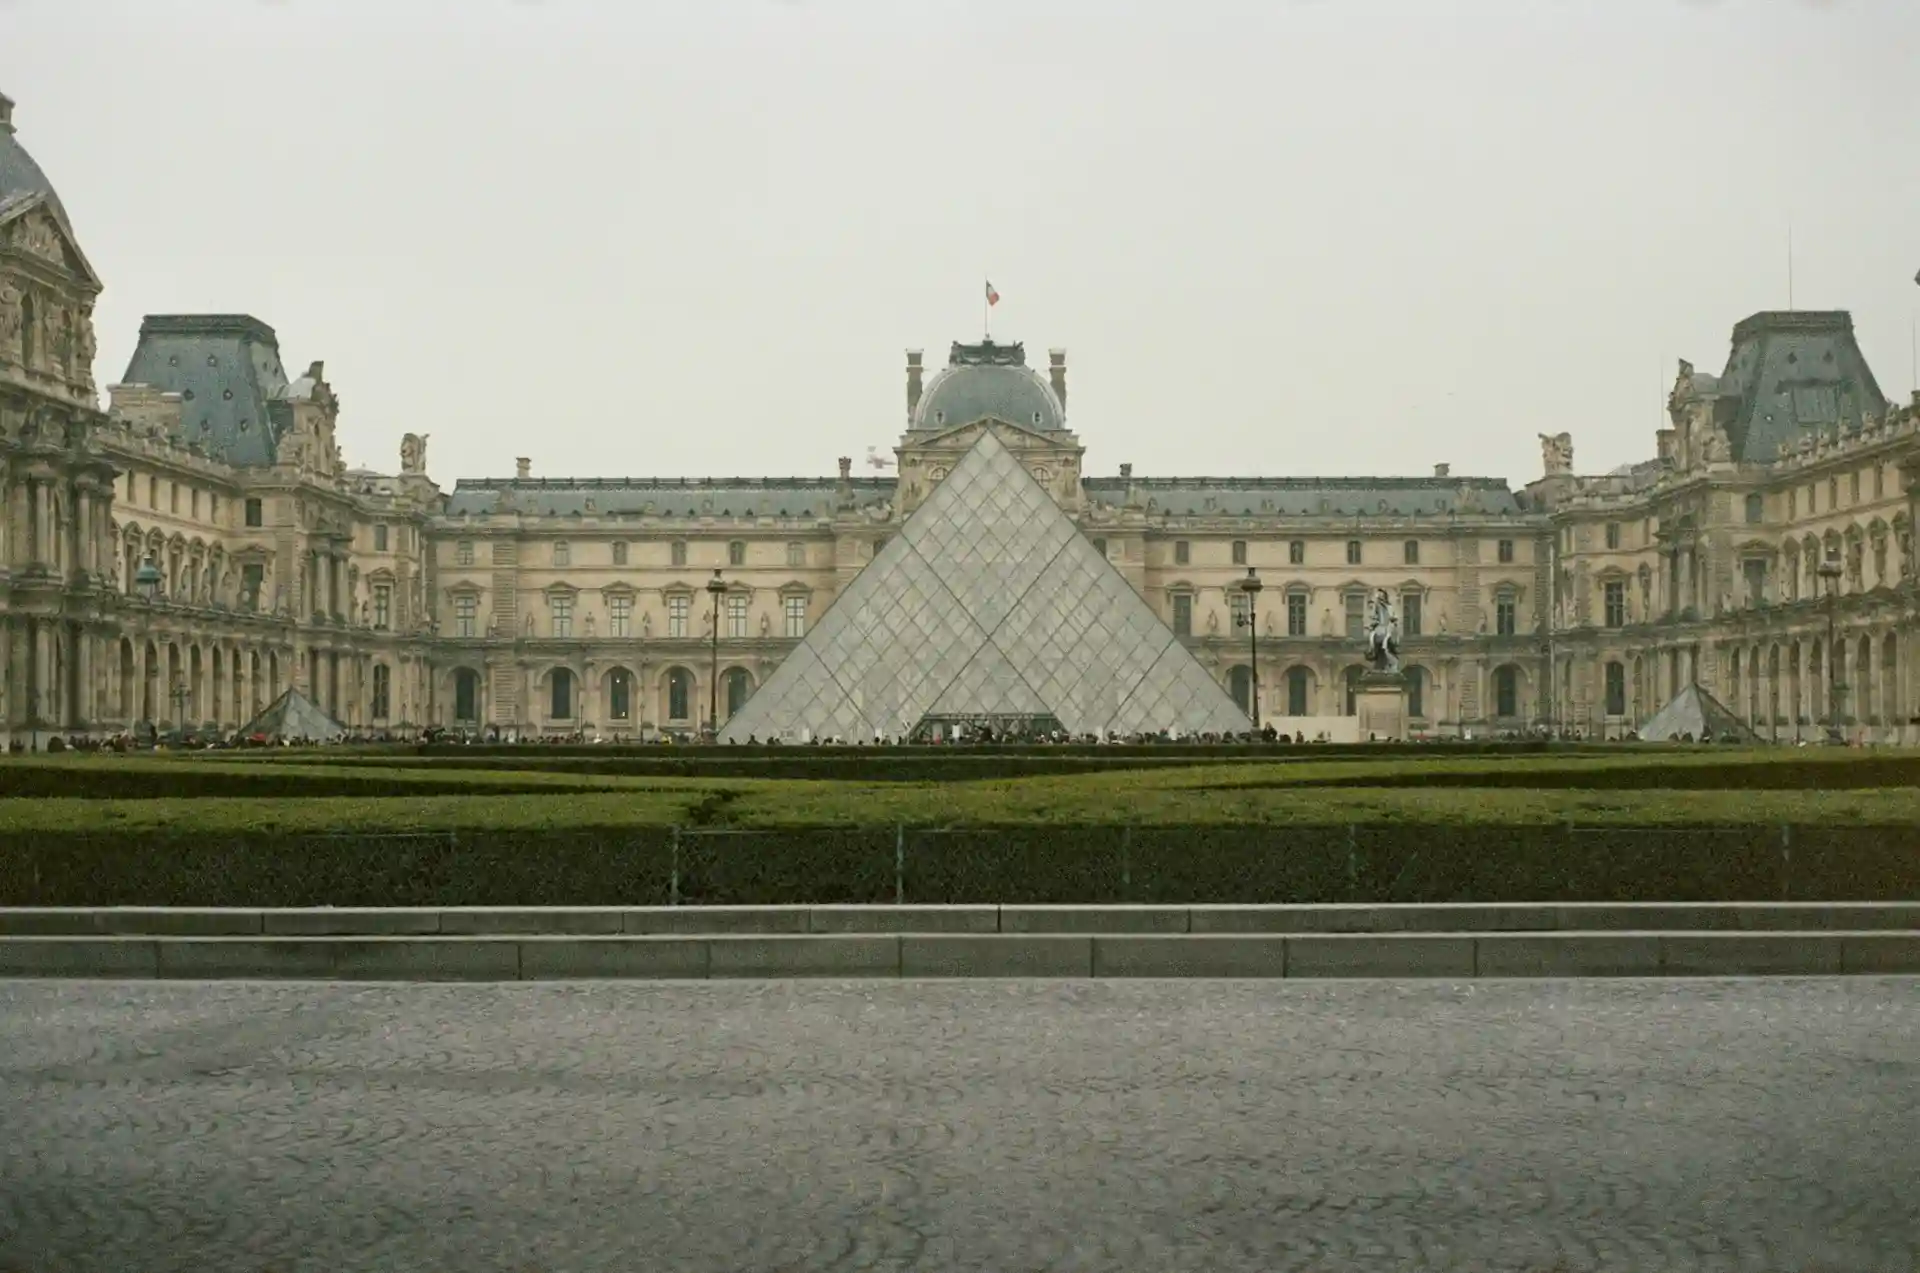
<point x="926" y="955"/>
<point x="482" y="921"/>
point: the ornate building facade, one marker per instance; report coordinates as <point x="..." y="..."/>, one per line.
<point x="197" y="547"/>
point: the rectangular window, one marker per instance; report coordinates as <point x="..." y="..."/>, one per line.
<point x="1506" y="618"/>
<point x="563" y="553"/>
<point x="678" y="606"/>
<point x="379" y="537"/>
<point x="1356" y="615"/>
<point x="253" y="577"/>
<point x="1239" y="552"/>
<point x="796" y="554"/>
<point x="196" y="498"/>
<point x="1755" y="571"/>
<point x="1613" y="535"/>
<point x="1616" y="594"/>
<point x="1182" y="614"/>
<point x="503" y="553"/>
<point x="736" y="553"/>
<point x="1182" y="553"/>
<point x="1813" y="499"/>
<point x="1504" y="551"/>
<point x="466" y="615"/>
<point x="153" y="492"/>
<point x="620" y="616"/>
<point x="796" y="612"/>
<point x="1410" y="614"/>
<point x="1296" y="615"/>
<point x="562" y="616"/>
<point x="736" y="614"/>
<point x="463" y="553"/>
<point x="1410" y="552"/>
<point x="1296" y="552"/>
<point x="173" y="498"/>
<point x="382" y="690"/>
<point x="1853" y="483"/>
<point x="620" y="553"/>
<point x="1353" y="552"/>
<point x="1237" y="609"/>
<point x="382" y="606"/>
<point x="1879" y="481"/>
<point x="213" y="508"/>
<point x="679" y="552"/>
<point x="253" y="516"/>
<point x="1833" y="493"/>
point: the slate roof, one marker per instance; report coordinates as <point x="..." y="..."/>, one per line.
<point x="20" y="176"/>
<point x="663" y="497"/>
<point x="988" y="381"/>
<point x="227" y="369"/>
<point x="1790" y="375"/>
<point x="1309" y="496"/>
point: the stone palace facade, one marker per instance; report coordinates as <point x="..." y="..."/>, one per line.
<point x="196" y="547"/>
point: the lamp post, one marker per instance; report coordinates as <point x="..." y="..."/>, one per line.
<point x="1831" y="571"/>
<point x="179" y="695"/>
<point x="715" y="587"/>
<point x="147" y="578"/>
<point x="1251" y="586"/>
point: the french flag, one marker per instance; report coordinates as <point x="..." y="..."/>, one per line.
<point x="993" y="297"/>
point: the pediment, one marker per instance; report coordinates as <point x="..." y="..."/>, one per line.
<point x="31" y="228"/>
<point x="1015" y="437"/>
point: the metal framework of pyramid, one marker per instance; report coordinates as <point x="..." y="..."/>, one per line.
<point x="1696" y="714"/>
<point x="989" y="603"/>
<point x="295" y="717"/>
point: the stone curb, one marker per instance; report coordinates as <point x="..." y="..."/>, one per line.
<point x="884" y="955"/>
<point x="1452" y="919"/>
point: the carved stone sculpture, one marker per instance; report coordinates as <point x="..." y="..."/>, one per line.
<point x="1383" y="634"/>
<point x="413" y="452"/>
<point x="1556" y="454"/>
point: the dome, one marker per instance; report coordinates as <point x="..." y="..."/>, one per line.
<point x="20" y="177"/>
<point x="988" y="380"/>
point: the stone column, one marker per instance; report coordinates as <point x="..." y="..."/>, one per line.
<point x="83" y="530"/>
<point x="83" y="668"/>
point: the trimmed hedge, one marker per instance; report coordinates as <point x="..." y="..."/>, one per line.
<point x="1792" y="773"/>
<point x="107" y="780"/>
<point x="1174" y="865"/>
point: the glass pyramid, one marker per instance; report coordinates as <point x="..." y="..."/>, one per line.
<point x="988" y="603"/>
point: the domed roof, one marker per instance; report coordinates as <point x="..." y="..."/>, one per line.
<point x="988" y="380"/>
<point x="20" y="177"/>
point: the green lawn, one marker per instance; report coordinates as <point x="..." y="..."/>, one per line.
<point x="1703" y="787"/>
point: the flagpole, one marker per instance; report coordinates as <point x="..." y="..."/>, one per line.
<point x="986" y="311"/>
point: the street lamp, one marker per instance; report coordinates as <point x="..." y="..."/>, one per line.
<point x="147" y="578"/>
<point x="1831" y="571"/>
<point x="715" y="588"/>
<point x="1251" y="586"/>
<point x="180" y="694"/>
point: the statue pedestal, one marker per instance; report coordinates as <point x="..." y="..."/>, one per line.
<point x="1380" y="701"/>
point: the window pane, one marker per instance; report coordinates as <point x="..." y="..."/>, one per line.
<point x="1182" y="615"/>
<point x="1297" y="616"/>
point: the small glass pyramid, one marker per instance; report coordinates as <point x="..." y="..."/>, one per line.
<point x="989" y="604"/>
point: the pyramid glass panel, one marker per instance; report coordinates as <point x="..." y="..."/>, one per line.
<point x="988" y="603"/>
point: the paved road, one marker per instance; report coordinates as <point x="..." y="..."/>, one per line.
<point x="1004" y="1127"/>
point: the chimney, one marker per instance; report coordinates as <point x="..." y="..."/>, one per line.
<point x="1442" y="470"/>
<point x="846" y="468"/>
<point x="6" y="115"/>
<point x="523" y="467"/>
<point x="1126" y="470"/>
<point x="1057" y="372"/>
<point x="913" y="382"/>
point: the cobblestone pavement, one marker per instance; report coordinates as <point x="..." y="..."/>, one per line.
<point x="1142" y="1127"/>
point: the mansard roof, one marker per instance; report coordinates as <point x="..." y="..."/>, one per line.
<point x="1791" y="374"/>
<point x="662" y="497"/>
<point x="226" y="369"/>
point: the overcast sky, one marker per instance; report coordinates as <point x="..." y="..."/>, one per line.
<point x="686" y="239"/>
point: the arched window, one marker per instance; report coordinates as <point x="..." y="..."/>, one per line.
<point x="620" y="694"/>
<point x="679" y="694"/>
<point x="466" y="695"/>
<point x="1299" y="691"/>
<point x="1616" y="689"/>
<point x="1506" y="691"/>
<point x="1352" y="680"/>
<point x="382" y="690"/>
<point x="1240" y="685"/>
<point x="739" y="687"/>
<point x="560" y="705"/>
